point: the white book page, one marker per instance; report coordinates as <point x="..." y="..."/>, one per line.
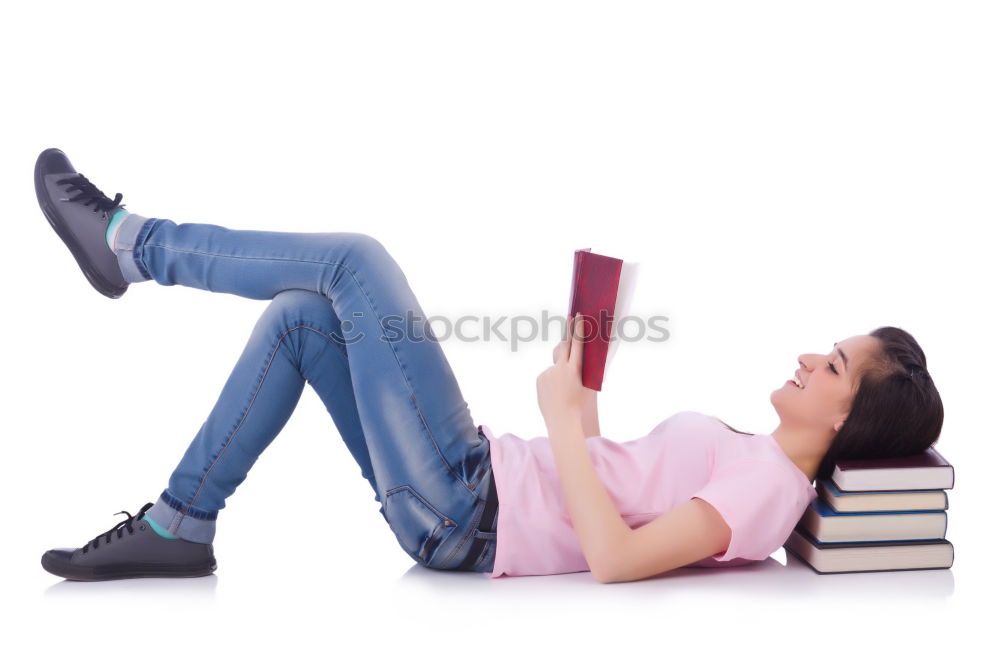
<point x="626" y="287"/>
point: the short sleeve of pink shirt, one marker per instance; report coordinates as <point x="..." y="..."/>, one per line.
<point x="761" y="502"/>
<point x="755" y="487"/>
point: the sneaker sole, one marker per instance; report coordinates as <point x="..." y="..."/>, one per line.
<point x="95" y="278"/>
<point x="126" y="571"/>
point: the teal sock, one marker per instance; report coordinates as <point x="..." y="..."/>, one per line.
<point x="112" y="230"/>
<point x="156" y="527"/>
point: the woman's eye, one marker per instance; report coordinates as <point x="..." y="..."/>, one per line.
<point x="832" y="369"/>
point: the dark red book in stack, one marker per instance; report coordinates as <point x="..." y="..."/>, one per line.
<point x="593" y="294"/>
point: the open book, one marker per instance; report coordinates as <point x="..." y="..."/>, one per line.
<point x="600" y="290"/>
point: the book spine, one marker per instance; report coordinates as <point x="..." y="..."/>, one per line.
<point x="574" y="286"/>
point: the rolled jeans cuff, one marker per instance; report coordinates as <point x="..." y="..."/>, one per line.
<point x="128" y="245"/>
<point x="191" y="524"/>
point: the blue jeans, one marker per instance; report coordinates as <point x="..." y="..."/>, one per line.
<point x="337" y="319"/>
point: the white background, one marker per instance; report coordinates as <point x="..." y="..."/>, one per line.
<point x="787" y="174"/>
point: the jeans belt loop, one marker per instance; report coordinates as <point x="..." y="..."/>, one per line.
<point x="485" y="524"/>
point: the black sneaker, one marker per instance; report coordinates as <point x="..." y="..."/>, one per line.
<point x="131" y="549"/>
<point x="79" y="213"/>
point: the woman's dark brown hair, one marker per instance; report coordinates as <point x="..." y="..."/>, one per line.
<point x="896" y="411"/>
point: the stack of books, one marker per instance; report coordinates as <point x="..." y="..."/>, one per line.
<point x="877" y="515"/>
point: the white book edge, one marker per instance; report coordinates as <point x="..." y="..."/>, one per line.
<point x="626" y="288"/>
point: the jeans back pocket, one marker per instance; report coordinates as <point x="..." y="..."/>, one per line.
<point x="419" y="527"/>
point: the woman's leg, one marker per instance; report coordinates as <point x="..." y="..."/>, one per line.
<point x="427" y="456"/>
<point x="294" y="341"/>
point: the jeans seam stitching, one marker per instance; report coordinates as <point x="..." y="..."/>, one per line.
<point x="239" y="425"/>
<point x="409" y="386"/>
<point x="320" y="332"/>
<point x="244" y="257"/>
<point x="412" y="490"/>
<point x="144" y="231"/>
<point x="178" y="506"/>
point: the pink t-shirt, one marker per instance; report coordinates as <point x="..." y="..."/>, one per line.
<point x="756" y="488"/>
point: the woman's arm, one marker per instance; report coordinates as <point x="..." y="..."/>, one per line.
<point x="588" y="415"/>
<point x="599" y="527"/>
<point x="614" y="551"/>
<point x="591" y="425"/>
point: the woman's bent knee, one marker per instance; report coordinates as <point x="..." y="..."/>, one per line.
<point x="297" y="305"/>
<point x="355" y="249"/>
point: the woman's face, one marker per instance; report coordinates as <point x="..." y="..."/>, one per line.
<point x="829" y="382"/>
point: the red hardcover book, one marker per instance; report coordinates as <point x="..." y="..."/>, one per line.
<point x="593" y="293"/>
<point x="928" y="470"/>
